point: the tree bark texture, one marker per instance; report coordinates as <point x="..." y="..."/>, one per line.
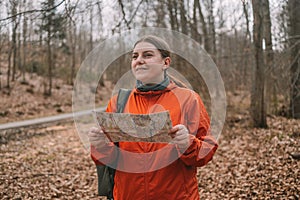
<point x="294" y="37"/>
<point x="258" y="108"/>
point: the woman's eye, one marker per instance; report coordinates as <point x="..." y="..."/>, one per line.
<point x="148" y="55"/>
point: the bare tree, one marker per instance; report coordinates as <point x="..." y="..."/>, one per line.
<point x="52" y="26"/>
<point x="24" y="46"/>
<point x="183" y="19"/>
<point x="203" y="26"/>
<point x="247" y="42"/>
<point x="15" y="22"/>
<point x="212" y="31"/>
<point x="91" y="28"/>
<point x="271" y="92"/>
<point x="71" y="36"/>
<point x="258" y="106"/>
<point x="245" y="11"/>
<point x="294" y="41"/>
<point x="173" y="12"/>
<point x="194" y="25"/>
<point x="12" y="54"/>
<point x="161" y="13"/>
<point x="4" y="38"/>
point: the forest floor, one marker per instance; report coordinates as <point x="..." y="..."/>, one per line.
<point x="51" y="162"/>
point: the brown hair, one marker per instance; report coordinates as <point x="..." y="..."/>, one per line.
<point x="161" y="45"/>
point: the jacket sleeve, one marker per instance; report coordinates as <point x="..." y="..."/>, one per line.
<point x="108" y="153"/>
<point x="203" y="147"/>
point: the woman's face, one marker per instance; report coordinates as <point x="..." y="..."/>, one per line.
<point x="147" y="63"/>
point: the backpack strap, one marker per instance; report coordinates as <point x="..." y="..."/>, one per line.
<point x="121" y="103"/>
<point x="122" y="99"/>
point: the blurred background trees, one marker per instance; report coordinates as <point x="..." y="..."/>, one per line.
<point x="255" y="44"/>
<point x="294" y="45"/>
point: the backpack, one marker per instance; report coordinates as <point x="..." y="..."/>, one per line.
<point x="105" y="173"/>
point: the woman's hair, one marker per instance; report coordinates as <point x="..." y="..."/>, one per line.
<point x="161" y="45"/>
<point x="165" y="51"/>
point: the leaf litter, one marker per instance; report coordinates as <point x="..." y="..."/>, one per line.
<point x="51" y="163"/>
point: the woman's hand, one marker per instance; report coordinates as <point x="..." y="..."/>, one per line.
<point x="97" y="138"/>
<point x="181" y="137"/>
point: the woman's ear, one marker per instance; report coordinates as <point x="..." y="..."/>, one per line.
<point x="167" y="62"/>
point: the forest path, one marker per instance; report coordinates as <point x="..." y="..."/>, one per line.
<point x="46" y="120"/>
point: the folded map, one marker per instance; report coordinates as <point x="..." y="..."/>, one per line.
<point x="152" y="127"/>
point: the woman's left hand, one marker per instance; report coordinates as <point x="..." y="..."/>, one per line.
<point x="181" y="137"/>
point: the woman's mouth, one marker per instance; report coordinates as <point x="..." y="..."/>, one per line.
<point x="140" y="69"/>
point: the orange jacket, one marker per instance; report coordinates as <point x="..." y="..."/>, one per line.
<point x="151" y="172"/>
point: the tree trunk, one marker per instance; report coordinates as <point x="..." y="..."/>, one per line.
<point x="183" y="20"/>
<point x="49" y="62"/>
<point x="194" y="25"/>
<point x="8" y="68"/>
<point x="91" y="30"/>
<point x="72" y="44"/>
<point x="161" y="13"/>
<point x="204" y="27"/>
<point x="24" y="52"/>
<point x="73" y="54"/>
<point x="14" y="39"/>
<point x="212" y="31"/>
<point x="172" y="7"/>
<point x="246" y="44"/>
<point x="1" y="47"/>
<point x="22" y="42"/>
<point x="245" y="10"/>
<point x="258" y="110"/>
<point x="271" y="92"/>
<point x="294" y="39"/>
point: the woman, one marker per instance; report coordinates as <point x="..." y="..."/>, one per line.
<point x="170" y="173"/>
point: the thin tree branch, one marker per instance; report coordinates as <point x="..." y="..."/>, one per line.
<point x="248" y="34"/>
<point x="32" y="11"/>
<point x="131" y="18"/>
<point x="123" y="13"/>
<point x="70" y="11"/>
<point x="134" y="13"/>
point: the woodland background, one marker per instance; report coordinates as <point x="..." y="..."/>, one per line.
<point x="255" y="45"/>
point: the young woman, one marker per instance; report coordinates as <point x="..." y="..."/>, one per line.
<point x="168" y="171"/>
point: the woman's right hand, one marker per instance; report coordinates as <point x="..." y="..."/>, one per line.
<point x="97" y="137"/>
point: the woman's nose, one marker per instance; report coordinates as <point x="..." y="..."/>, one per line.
<point x="140" y="60"/>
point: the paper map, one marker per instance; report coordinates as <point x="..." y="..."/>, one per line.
<point x="152" y="127"/>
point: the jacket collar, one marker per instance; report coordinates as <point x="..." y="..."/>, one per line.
<point x="145" y="88"/>
<point x="168" y="88"/>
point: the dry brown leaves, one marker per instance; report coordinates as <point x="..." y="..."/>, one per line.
<point x="26" y="101"/>
<point x="254" y="163"/>
<point x="51" y="163"/>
